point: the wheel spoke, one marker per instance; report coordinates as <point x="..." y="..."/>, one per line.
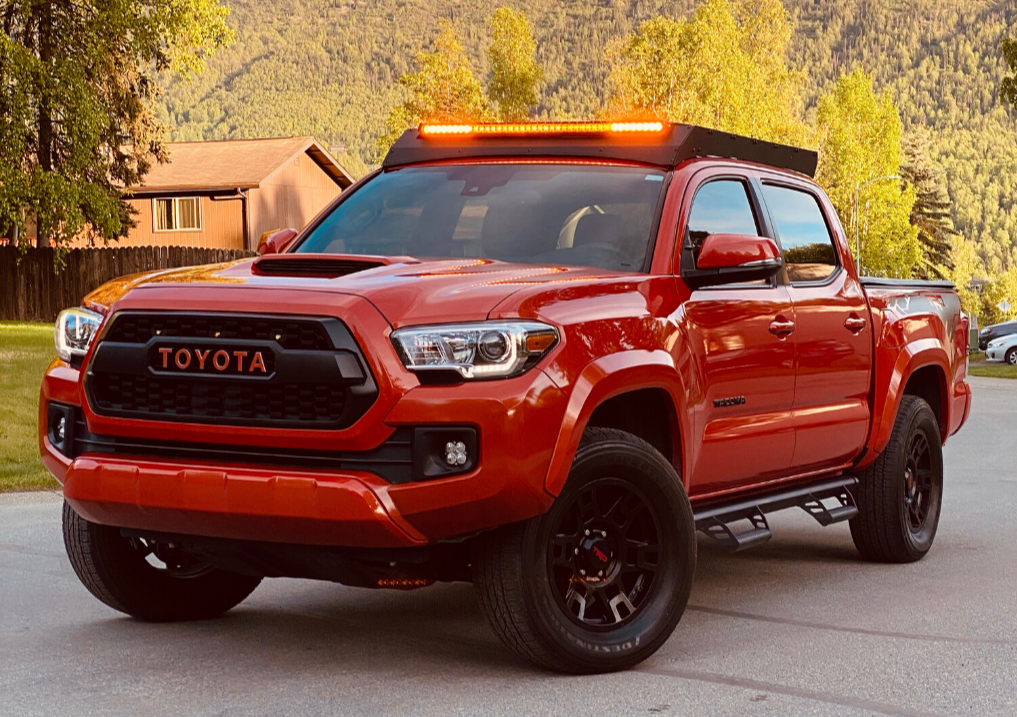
<point x="620" y="601"/>
<point x="587" y="504"/>
<point x="563" y="550"/>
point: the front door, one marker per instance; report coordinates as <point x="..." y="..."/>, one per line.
<point x="832" y="329"/>
<point x="741" y="341"/>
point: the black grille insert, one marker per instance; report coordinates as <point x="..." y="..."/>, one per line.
<point x="317" y="377"/>
<point x="171" y="396"/>
<point x="295" y="334"/>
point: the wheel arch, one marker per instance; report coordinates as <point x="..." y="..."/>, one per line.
<point x="922" y="369"/>
<point x="627" y="390"/>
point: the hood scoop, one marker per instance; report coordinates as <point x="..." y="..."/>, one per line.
<point x="323" y="266"/>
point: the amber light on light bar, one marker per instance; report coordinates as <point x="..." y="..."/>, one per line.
<point x="506" y="128"/>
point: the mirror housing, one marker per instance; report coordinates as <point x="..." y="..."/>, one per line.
<point x="276" y="241"/>
<point x="733" y="259"/>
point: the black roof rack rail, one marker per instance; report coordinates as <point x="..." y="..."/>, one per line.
<point x="663" y="149"/>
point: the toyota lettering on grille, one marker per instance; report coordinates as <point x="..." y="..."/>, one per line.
<point x="215" y="361"/>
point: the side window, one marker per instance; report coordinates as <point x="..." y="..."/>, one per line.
<point x="809" y="253"/>
<point x="720" y="207"/>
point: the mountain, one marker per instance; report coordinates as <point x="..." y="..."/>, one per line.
<point x="329" y="68"/>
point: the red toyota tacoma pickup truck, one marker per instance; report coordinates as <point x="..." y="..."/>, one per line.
<point x="534" y="357"/>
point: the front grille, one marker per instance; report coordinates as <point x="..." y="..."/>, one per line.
<point x="315" y="375"/>
<point x="215" y="399"/>
<point x="295" y="334"/>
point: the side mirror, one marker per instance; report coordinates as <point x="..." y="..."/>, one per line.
<point x="276" y="241"/>
<point x="733" y="259"/>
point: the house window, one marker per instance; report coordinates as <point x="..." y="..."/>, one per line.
<point x="177" y="214"/>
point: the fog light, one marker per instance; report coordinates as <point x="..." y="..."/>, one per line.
<point x="61" y="429"/>
<point x="455" y="453"/>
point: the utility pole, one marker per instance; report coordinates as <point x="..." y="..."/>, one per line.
<point x="857" y="217"/>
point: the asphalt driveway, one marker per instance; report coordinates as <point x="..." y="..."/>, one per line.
<point x="798" y="626"/>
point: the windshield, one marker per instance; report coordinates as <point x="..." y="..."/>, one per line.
<point x="573" y="214"/>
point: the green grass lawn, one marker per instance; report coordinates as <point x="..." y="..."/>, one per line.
<point x="978" y="366"/>
<point x="25" y="352"/>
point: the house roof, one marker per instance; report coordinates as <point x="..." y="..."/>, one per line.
<point x="234" y="163"/>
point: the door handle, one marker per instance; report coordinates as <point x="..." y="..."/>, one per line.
<point x="781" y="327"/>
<point x="855" y="324"/>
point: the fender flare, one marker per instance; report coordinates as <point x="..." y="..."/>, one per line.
<point x="605" y="378"/>
<point x="916" y="355"/>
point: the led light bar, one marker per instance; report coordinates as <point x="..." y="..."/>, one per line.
<point x="526" y="128"/>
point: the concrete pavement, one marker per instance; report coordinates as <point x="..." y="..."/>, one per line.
<point x="798" y="626"/>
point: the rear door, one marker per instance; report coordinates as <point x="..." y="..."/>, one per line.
<point x="742" y="353"/>
<point x="833" y="332"/>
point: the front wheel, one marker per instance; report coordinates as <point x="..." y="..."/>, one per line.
<point x="600" y="581"/>
<point x="900" y="496"/>
<point x="1011" y="356"/>
<point x="151" y="581"/>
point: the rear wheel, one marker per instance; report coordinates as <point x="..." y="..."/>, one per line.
<point x="600" y="581"/>
<point x="149" y="580"/>
<point x="900" y="496"/>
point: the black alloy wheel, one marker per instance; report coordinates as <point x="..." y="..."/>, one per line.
<point x="917" y="482"/>
<point x="599" y="582"/>
<point x="900" y="496"/>
<point x="150" y="580"/>
<point x="604" y="556"/>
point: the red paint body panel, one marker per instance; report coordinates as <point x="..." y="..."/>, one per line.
<point x="765" y="384"/>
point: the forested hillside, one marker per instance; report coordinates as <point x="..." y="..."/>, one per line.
<point x="330" y="68"/>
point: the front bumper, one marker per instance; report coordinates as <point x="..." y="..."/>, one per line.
<point x="230" y="495"/>
<point x="994" y="354"/>
<point x="517" y="422"/>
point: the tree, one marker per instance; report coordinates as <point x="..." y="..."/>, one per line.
<point x="932" y="211"/>
<point x="1008" y="87"/>
<point x="443" y="89"/>
<point x="725" y="68"/>
<point x="860" y="146"/>
<point x="77" y="86"/>
<point x="515" y="75"/>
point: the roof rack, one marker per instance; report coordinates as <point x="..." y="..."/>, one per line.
<point x="667" y="147"/>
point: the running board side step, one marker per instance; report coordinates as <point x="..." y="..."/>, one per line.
<point x="715" y="519"/>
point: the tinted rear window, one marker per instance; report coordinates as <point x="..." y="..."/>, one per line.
<point x="531" y="213"/>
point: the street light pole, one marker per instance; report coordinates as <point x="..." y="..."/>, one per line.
<point x="857" y="218"/>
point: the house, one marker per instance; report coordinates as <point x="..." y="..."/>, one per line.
<point x="226" y="194"/>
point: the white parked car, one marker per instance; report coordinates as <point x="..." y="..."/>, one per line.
<point x="1003" y="349"/>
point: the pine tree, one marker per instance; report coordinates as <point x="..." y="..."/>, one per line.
<point x="77" y="86"/>
<point x="1008" y="87"/>
<point x="931" y="212"/>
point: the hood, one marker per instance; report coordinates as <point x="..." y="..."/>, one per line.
<point x="405" y="290"/>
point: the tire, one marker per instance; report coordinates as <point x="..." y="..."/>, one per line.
<point x="1011" y="356"/>
<point x="900" y="496"/>
<point x="115" y="570"/>
<point x="526" y="573"/>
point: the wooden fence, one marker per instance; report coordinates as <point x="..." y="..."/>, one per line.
<point x="31" y="291"/>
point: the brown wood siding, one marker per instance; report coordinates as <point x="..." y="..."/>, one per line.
<point x="291" y="197"/>
<point x="221" y="226"/>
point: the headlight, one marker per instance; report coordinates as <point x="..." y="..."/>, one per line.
<point x="75" y="329"/>
<point x="490" y="349"/>
<point x="994" y="343"/>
